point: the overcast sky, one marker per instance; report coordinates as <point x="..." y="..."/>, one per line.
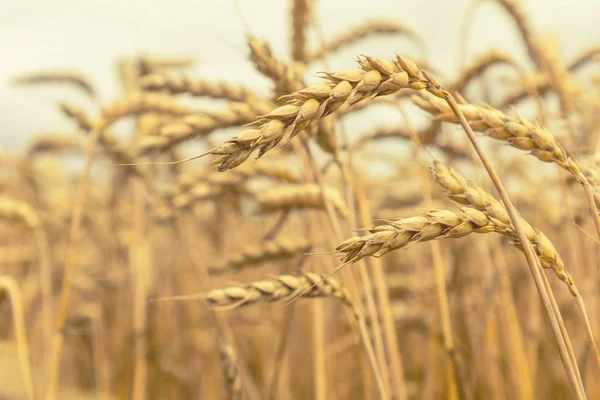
<point x="88" y="35"/>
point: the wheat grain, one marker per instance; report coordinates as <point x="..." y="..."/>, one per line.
<point x="519" y="134"/>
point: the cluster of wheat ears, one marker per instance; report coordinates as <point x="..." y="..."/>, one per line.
<point x="302" y="261"/>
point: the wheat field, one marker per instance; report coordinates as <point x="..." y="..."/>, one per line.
<point x="375" y="226"/>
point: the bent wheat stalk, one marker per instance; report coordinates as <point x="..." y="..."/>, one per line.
<point x="481" y="64"/>
<point x="542" y="54"/>
<point x="516" y="132"/>
<point x="133" y="104"/>
<point x="15" y="210"/>
<point x="551" y="309"/>
<point x="542" y="83"/>
<point x="458" y="189"/>
<point x="8" y="284"/>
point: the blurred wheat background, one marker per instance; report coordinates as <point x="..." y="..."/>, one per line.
<point x="331" y="133"/>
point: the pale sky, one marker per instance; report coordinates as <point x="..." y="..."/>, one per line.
<point x="87" y="35"/>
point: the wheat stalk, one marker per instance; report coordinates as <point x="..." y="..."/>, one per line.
<point x="301" y="15"/>
<point x="560" y="335"/>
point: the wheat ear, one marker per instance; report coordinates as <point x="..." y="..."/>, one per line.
<point x="52" y="143"/>
<point x="286" y="197"/>
<point x="71" y="78"/>
<point x="281" y="248"/>
<point x="199" y="88"/>
<point x="309" y="106"/>
<point x="363" y="31"/>
<point x="287" y="77"/>
<point x="195" y="125"/>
